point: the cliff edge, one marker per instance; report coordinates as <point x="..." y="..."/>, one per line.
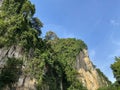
<point x="88" y="74"/>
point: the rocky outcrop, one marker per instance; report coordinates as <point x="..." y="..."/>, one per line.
<point x="13" y="51"/>
<point x="88" y="74"/>
<point x="24" y="82"/>
<point x="0" y="2"/>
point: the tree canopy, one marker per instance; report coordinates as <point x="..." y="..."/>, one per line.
<point x="116" y="69"/>
<point x="17" y="24"/>
<point x="51" y="36"/>
<point x="116" y="72"/>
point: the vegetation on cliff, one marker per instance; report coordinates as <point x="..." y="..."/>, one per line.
<point x="116" y="71"/>
<point x="101" y="74"/>
<point x="55" y="66"/>
<point x="10" y="73"/>
<point x="17" y="24"/>
<point x="50" y="60"/>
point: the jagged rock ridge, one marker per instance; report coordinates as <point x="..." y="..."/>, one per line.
<point x="88" y="73"/>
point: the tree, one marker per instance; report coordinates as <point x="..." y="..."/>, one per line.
<point x="116" y="69"/>
<point x="116" y="72"/>
<point x="17" y="24"/>
<point x="66" y="51"/>
<point x="51" y="36"/>
<point x="18" y="27"/>
<point x="10" y="73"/>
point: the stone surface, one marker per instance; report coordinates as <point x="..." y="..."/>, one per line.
<point x="0" y="2"/>
<point x="24" y="82"/>
<point x="88" y="73"/>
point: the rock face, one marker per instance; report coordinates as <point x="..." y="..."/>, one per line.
<point x="9" y="52"/>
<point x="88" y="73"/>
<point x="0" y="2"/>
<point x="24" y="82"/>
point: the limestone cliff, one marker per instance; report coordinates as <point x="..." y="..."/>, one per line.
<point x="0" y="2"/>
<point x="88" y="74"/>
<point x="24" y="81"/>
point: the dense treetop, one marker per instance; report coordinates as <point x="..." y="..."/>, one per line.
<point x="17" y="24"/>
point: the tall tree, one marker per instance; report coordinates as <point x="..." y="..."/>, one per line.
<point x="116" y="69"/>
<point x="50" y="35"/>
<point x="18" y="27"/>
<point x="116" y="72"/>
<point x="17" y="24"/>
<point x="10" y="73"/>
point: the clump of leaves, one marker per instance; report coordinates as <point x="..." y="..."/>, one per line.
<point x="10" y="72"/>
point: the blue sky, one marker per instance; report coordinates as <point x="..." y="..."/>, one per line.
<point x="97" y="22"/>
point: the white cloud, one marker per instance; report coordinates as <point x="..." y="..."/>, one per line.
<point x="115" y="22"/>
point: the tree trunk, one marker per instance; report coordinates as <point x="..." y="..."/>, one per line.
<point x="61" y="85"/>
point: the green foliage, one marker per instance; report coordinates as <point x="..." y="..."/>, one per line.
<point x="52" y="62"/>
<point x="51" y="36"/>
<point x="103" y="76"/>
<point x="17" y="24"/>
<point x="111" y="87"/>
<point x="10" y="72"/>
<point x="116" y="69"/>
<point x="45" y="68"/>
<point x="54" y="66"/>
<point x="66" y="51"/>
